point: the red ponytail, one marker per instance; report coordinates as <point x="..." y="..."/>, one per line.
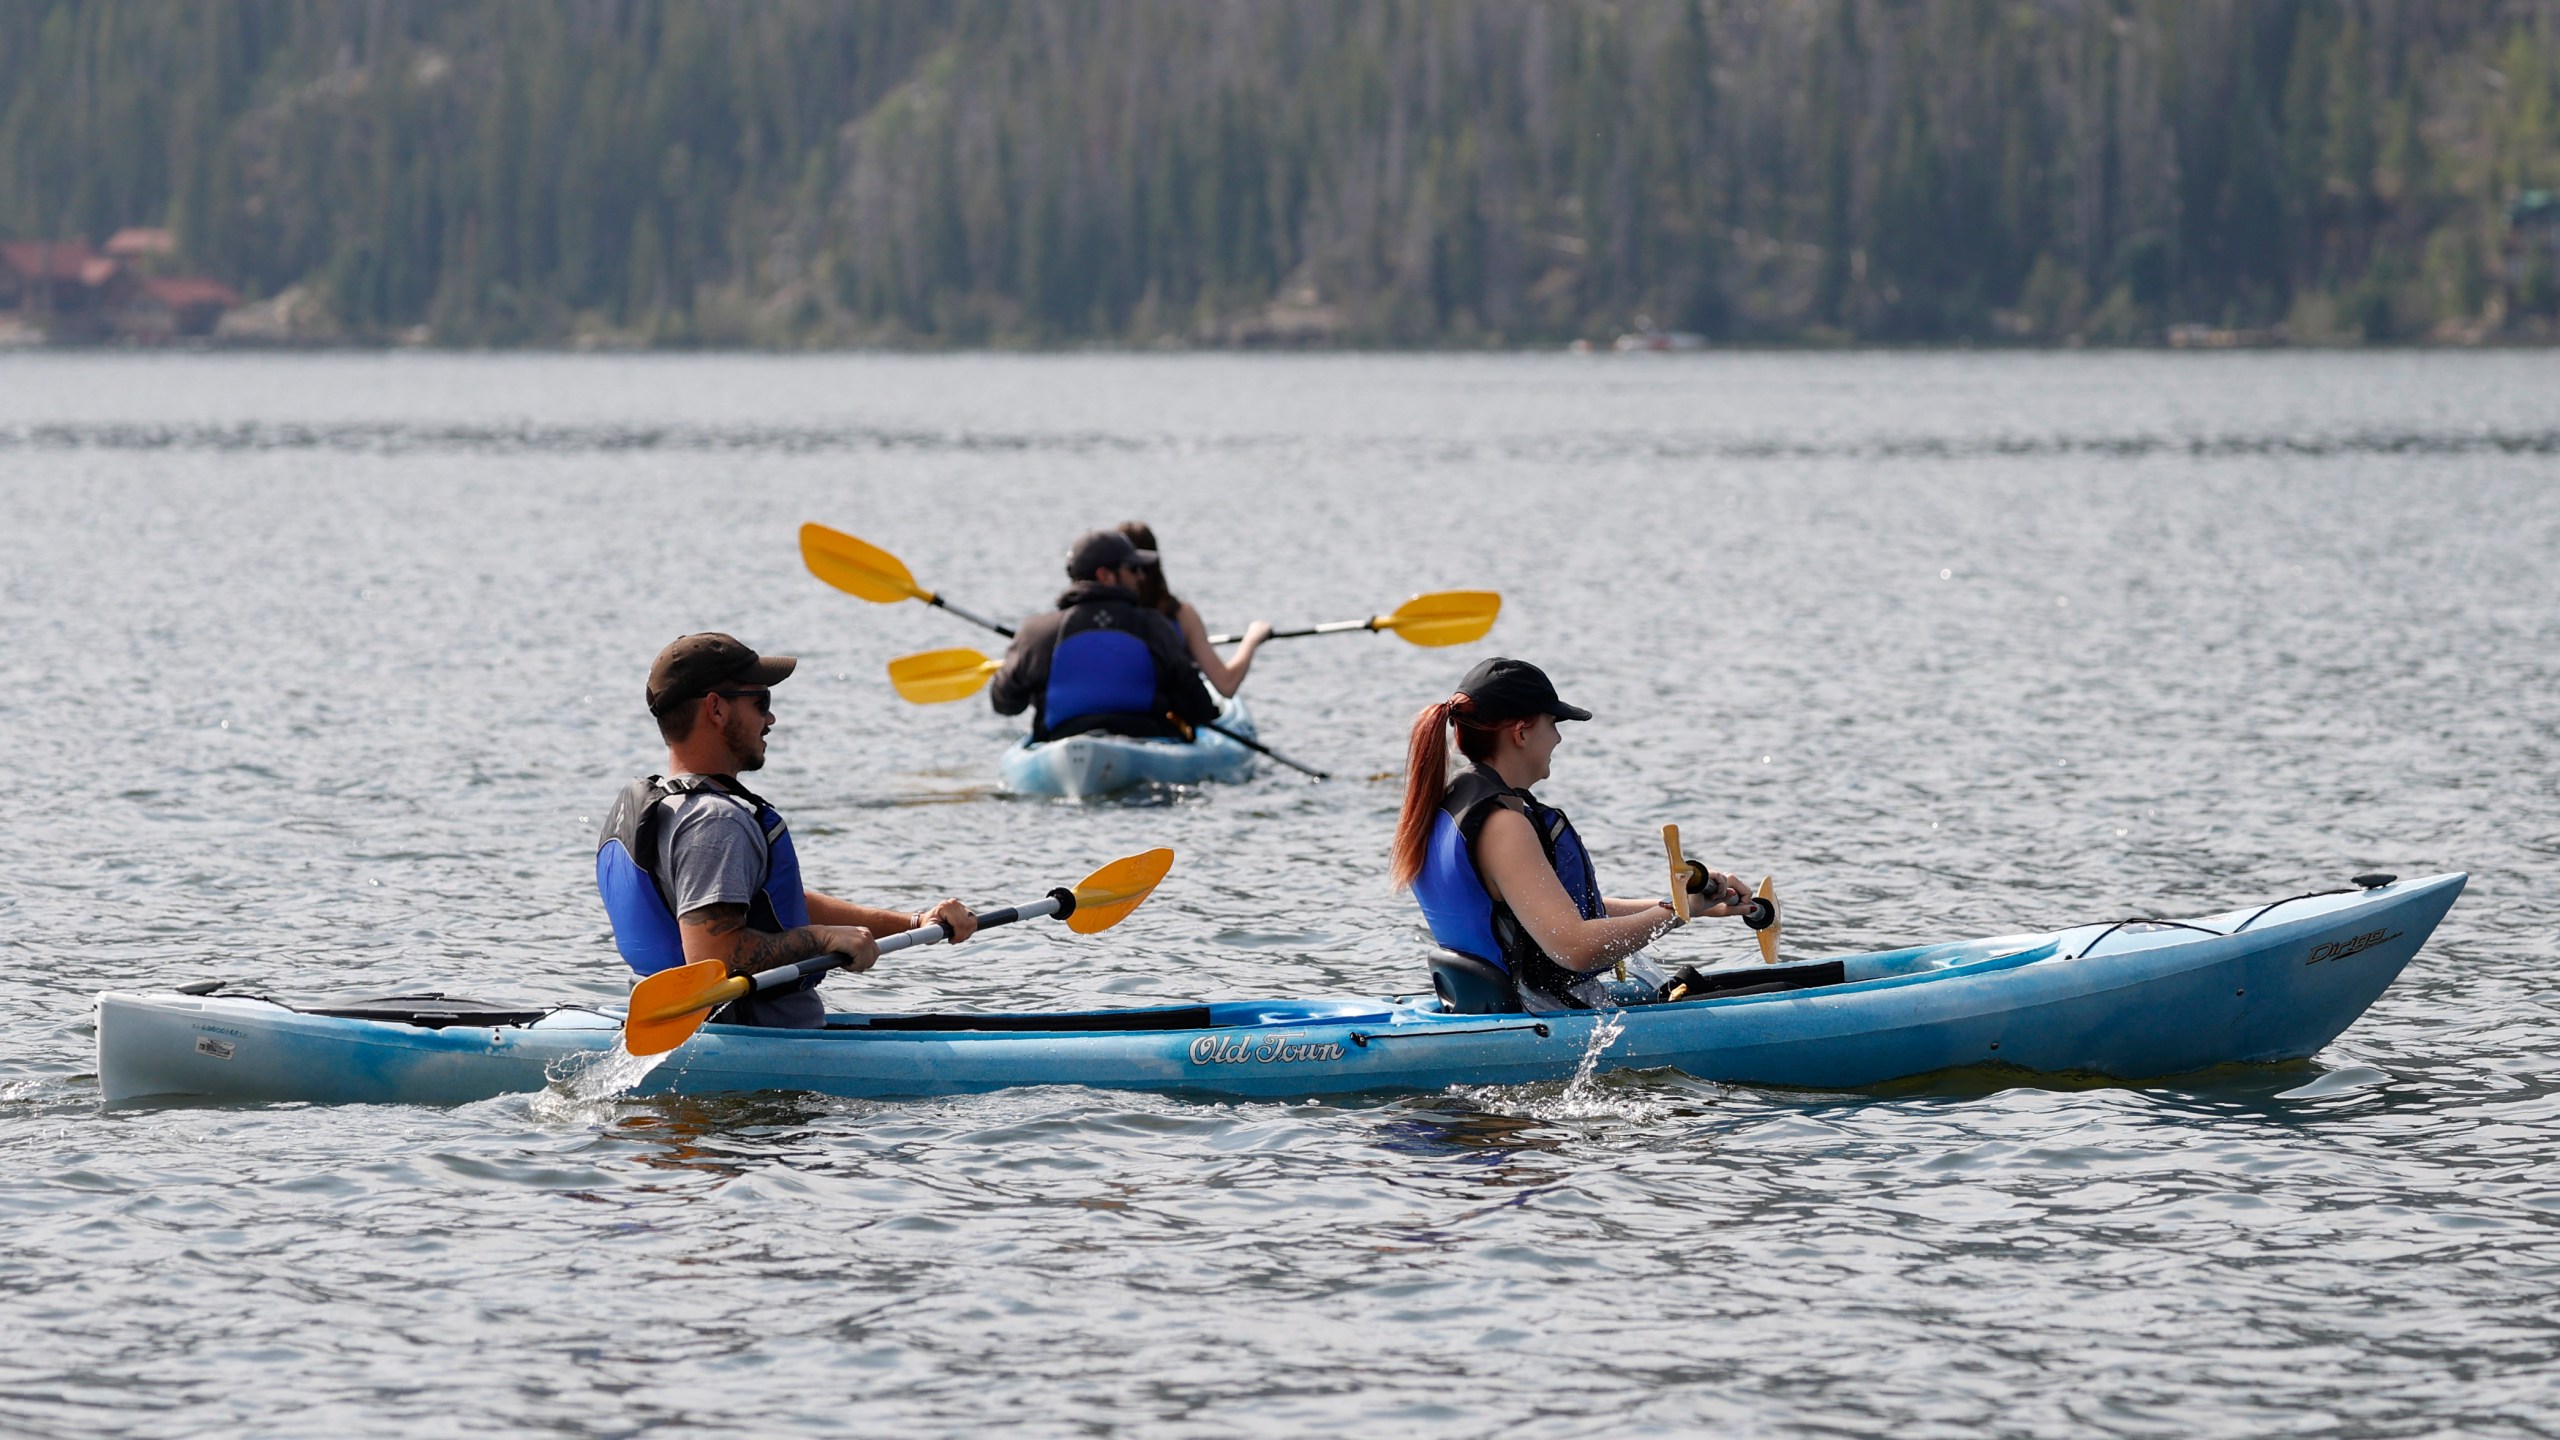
<point x="1426" y="784"/>
<point x="1426" y="778"/>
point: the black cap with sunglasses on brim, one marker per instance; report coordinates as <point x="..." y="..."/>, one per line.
<point x="697" y="665"/>
<point x="1104" y="549"/>
<point x="1504" y="689"/>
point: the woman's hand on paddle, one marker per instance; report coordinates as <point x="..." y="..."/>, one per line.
<point x="956" y="920"/>
<point x="1722" y="895"/>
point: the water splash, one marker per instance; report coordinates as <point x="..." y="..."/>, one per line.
<point x="583" y="1088"/>
<point x="1583" y="1096"/>
<point x="1604" y="1033"/>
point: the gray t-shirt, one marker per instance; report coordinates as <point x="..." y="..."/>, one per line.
<point x="710" y="851"/>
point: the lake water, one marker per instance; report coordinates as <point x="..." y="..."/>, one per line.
<point x="319" y="670"/>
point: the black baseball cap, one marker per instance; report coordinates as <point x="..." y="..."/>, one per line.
<point x="696" y="665"/>
<point x="1505" y="689"/>
<point x="1095" y="549"/>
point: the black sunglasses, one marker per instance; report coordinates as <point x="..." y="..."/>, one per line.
<point x="763" y="698"/>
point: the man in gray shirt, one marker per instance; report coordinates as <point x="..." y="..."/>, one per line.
<point x="694" y="866"/>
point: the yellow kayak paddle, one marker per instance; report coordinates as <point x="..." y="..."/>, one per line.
<point x="669" y="1006"/>
<point x="858" y="567"/>
<point x="1443" y="617"/>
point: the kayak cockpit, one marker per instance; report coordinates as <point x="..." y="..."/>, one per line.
<point x="429" y="1012"/>
<point x="1212" y="1015"/>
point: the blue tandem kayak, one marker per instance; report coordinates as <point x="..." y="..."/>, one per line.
<point x="1083" y="766"/>
<point x="2134" y="1000"/>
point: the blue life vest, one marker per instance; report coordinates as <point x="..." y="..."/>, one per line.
<point x="1098" y="671"/>
<point x="1464" y="917"/>
<point x="635" y="900"/>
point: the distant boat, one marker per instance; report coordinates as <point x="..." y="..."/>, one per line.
<point x="1635" y="341"/>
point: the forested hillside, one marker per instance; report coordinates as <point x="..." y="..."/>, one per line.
<point x="791" y="172"/>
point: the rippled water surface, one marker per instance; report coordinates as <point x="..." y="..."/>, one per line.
<point x="319" y="672"/>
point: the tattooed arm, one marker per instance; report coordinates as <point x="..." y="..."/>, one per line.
<point x="719" y="932"/>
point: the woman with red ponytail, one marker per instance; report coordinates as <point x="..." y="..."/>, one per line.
<point x="1502" y="878"/>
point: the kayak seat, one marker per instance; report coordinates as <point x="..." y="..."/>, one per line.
<point x="1129" y="725"/>
<point x="1469" y="986"/>
<point x="1757" y="980"/>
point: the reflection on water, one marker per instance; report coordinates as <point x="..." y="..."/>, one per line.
<point x="321" y="669"/>
<point x="1455" y="1129"/>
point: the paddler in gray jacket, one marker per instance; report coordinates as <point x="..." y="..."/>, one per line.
<point x="1100" y="660"/>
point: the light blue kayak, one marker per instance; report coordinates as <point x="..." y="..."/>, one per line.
<point x="1082" y="766"/>
<point x="2132" y="1000"/>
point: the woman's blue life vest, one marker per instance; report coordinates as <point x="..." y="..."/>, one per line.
<point x="1099" y="671"/>
<point x="635" y="899"/>
<point x="1467" y="919"/>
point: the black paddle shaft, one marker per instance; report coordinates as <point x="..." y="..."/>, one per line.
<point x="1260" y="748"/>
<point x="941" y="604"/>
<point x="1330" y="627"/>
<point x="1060" y="902"/>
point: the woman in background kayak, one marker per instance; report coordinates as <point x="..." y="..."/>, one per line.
<point x="1225" y="675"/>
<point x="1502" y="878"/>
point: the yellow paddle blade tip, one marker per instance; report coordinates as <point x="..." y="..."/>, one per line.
<point x="1679" y="872"/>
<point x="857" y="567"/>
<point x="1105" y="897"/>
<point x="933" y="677"/>
<point x="1445" y="617"/>
<point x="669" y="1006"/>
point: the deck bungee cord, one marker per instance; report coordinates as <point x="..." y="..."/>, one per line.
<point x="2372" y="881"/>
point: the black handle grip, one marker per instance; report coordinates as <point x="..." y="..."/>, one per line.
<point x="1760" y="912"/>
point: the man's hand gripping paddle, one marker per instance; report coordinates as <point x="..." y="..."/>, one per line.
<point x="669" y="1006"/>
<point x="858" y="567"/>
<point x="935" y="676"/>
<point x="1443" y="617"/>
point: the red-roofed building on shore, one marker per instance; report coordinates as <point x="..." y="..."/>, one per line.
<point x="66" y="290"/>
<point x="181" y="307"/>
<point x="138" y="243"/>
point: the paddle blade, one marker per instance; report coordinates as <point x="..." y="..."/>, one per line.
<point x="1679" y="872"/>
<point x="669" y="1006"/>
<point x="858" y="567"/>
<point x="939" y="675"/>
<point x="1769" y="937"/>
<point x="1444" y="617"/>
<point x="1105" y="897"/>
